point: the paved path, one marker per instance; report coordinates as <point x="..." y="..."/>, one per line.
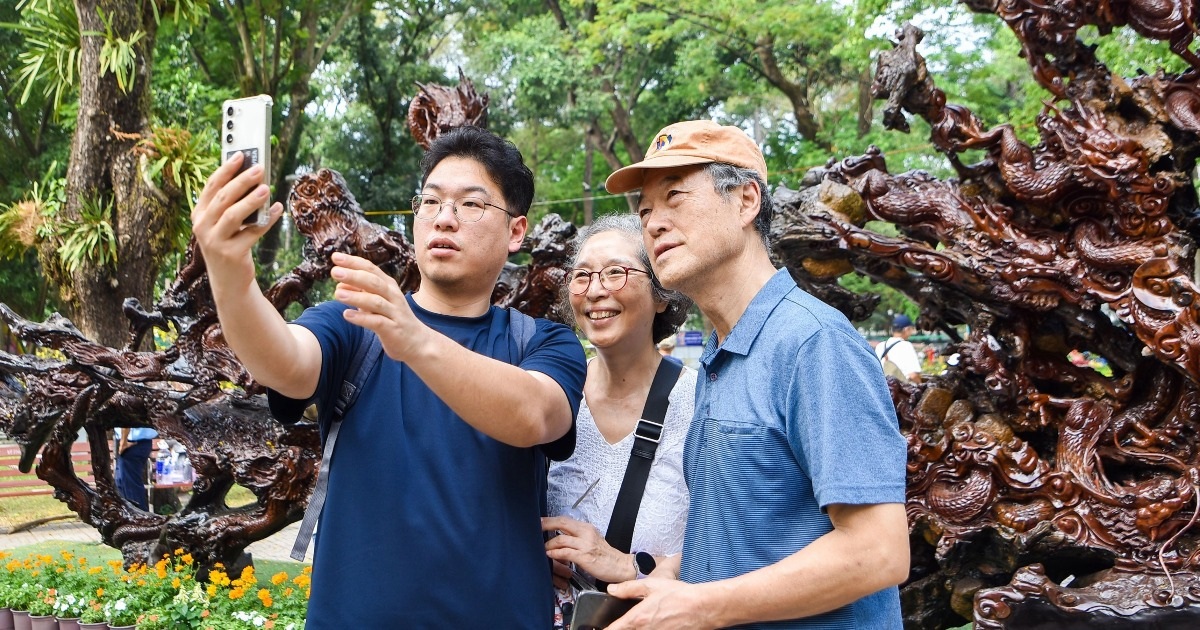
<point x="275" y="547"/>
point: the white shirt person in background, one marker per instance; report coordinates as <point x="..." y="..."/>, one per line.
<point x="621" y="308"/>
<point x="899" y="351"/>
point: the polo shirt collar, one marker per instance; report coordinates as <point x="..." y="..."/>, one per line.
<point x="751" y="323"/>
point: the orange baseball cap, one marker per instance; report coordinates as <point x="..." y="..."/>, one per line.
<point x="687" y="143"/>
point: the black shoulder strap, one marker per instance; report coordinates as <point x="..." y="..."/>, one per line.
<point x="366" y="355"/>
<point x="888" y="348"/>
<point x="645" y="443"/>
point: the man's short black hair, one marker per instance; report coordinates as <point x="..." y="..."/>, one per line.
<point x="500" y="157"/>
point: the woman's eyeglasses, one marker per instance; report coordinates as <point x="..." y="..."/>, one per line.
<point x="612" y="277"/>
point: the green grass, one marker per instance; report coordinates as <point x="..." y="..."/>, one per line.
<point x="17" y="510"/>
<point x="97" y="553"/>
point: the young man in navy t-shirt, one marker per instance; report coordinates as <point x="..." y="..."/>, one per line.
<point x="432" y="516"/>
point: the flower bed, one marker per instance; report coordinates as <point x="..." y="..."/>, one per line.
<point x="164" y="595"/>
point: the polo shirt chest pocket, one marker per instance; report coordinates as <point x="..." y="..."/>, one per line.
<point x="739" y="428"/>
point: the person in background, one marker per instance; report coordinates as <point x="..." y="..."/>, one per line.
<point x="133" y="455"/>
<point x="437" y="480"/>
<point x="666" y="347"/>
<point x="621" y="308"/>
<point x="795" y="464"/>
<point x="899" y="351"/>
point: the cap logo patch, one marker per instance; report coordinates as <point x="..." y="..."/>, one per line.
<point x="662" y="141"/>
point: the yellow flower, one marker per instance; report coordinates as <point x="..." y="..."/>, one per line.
<point x="265" y="597"/>
<point x="212" y="590"/>
<point x="66" y="554"/>
<point x="236" y="593"/>
<point x="287" y="592"/>
<point x="141" y="582"/>
<point x="279" y="578"/>
<point x="175" y="583"/>
<point x="302" y="580"/>
<point x="95" y="570"/>
<point x="187" y="558"/>
<point x="100" y="592"/>
<point x="179" y="551"/>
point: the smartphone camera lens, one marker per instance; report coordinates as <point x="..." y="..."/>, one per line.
<point x="229" y="110"/>
<point x="229" y="124"/>
<point x="229" y="138"/>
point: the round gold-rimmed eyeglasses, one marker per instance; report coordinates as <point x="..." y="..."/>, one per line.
<point x="612" y="277"/>
<point x="467" y="209"/>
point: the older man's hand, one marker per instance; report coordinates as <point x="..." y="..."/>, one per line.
<point x="666" y="605"/>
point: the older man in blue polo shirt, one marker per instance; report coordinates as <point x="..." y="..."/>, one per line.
<point x="794" y="463"/>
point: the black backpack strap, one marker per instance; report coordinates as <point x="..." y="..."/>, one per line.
<point x="648" y="434"/>
<point x="888" y="348"/>
<point x="366" y="355"/>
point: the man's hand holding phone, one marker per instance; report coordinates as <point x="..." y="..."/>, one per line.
<point x="218" y="221"/>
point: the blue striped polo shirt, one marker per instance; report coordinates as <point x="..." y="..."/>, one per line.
<point x="792" y="415"/>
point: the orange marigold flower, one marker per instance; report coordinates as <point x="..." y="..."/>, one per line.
<point x="236" y="593"/>
<point x="212" y="590"/>
<point x="179" y="551"/>
<point x="141" y="582"/>
<point x="67" y="555"/>
<point x="175" y="583"/>
<point x="100" y="592"/>
<point x="187" y="558"/>
<point x="279" y="578"/>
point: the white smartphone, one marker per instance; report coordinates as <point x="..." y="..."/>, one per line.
<point x="246" y="129"/>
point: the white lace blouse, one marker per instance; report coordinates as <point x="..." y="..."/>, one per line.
<point x="663" y="512"/>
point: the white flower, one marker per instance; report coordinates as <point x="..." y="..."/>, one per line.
<point x="120" y="605"/>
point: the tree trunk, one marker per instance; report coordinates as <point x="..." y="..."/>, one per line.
<point x="104" y="170"/>
<point x="589" y="204"/>
<point x="806" y="122"/>
<point x="866" y="102"/>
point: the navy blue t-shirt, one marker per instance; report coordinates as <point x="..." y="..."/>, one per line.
<point x="429" y="523"/>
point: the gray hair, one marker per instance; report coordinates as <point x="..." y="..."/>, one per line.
<point x="666" y="322"/>
<point x="726" y="177"/>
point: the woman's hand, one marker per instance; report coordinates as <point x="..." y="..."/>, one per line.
<point x="582" y="544"/>
<point x="560" y="575"/>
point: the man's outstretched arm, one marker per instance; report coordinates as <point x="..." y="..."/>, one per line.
<point x="284" y="358"/>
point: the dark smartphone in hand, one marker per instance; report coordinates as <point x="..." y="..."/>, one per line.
<point x="595" y="610"/>
<point x="246" y="129"/>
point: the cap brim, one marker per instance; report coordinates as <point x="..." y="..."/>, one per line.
<point x="631" y="177"/>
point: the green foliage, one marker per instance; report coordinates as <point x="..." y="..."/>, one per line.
<point x="89" y="240"/>
<point x="891" y="301"/>
<point x="118" y="55"/>
<point x="51" y="56"/>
